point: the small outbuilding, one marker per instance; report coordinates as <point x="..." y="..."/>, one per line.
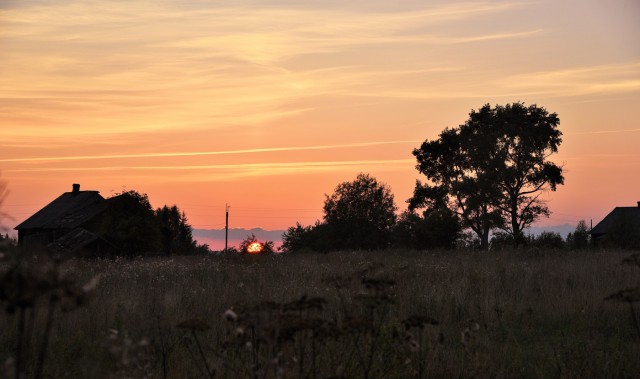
<point x="620" y="219"/>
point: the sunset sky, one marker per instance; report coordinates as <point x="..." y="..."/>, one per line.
<point x="268" y="104"/>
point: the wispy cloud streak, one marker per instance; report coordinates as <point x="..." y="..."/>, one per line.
<point x="267" y="168"/>
<point x="208" y="153"/>
<point x="178" y="67"/>
<point x="579" y="81"/>
<point x="604" y="132"/>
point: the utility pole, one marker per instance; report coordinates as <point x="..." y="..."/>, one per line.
<point x="226" y="227"/>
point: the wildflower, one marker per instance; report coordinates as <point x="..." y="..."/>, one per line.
<point x="230" y="315"/>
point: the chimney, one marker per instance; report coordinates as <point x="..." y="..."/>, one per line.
<point x="76" y="188"/>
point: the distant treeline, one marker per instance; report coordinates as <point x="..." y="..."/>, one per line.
<point x="356" y="219"/>
<point x="483" y="188"/>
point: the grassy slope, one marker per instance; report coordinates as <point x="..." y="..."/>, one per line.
<point x="505" y="314"/>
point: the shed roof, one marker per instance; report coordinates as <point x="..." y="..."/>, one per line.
<point x="68" y="211"/>
<point x="629" y="215"/>
<point x="78" y="239"/>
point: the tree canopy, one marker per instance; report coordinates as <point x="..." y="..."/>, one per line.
<point x="492" y="169"/>
<point x="130" y="224"/>
<point x="360" y="215"/>
<point x="362" y="211"/>
<point x="175" y="230"/>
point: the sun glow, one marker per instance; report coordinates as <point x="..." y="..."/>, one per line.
<point x="254" y="248"/>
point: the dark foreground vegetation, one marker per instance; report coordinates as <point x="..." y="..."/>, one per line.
<point x="376" y="314"/>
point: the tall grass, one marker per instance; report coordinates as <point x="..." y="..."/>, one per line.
<point x="348" y="314"/>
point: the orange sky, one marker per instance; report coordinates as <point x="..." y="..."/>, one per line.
<point x="268" y="104"/>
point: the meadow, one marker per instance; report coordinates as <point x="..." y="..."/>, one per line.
<point x="380" y="314"/>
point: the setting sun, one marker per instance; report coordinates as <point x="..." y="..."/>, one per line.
<point x="254" y="248"/>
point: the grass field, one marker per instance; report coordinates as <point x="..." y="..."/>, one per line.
<point x="385" y="314"/>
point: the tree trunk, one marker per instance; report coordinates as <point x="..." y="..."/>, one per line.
<point x="484" y="239"/>
<point x="518" y="238"/>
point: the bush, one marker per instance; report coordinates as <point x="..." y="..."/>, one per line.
<point x="437" y="229"/>
<point x="579" y="239"/>
<point x="320" y="237"/>
<point x="501" y="241"/>
<point x="7" y="242"/>
<point x="297" y="238"/>
<point x="548" y="240"/>
<point x="468" y="240"/>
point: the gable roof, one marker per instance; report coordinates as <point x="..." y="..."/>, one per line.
<point x="68" y="211"/>
<point x="630" y="215"/>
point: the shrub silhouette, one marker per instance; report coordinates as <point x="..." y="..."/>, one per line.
<point x="548" y="240"/>
<point x="579" y="239"/>
<point x="437" y="228"/>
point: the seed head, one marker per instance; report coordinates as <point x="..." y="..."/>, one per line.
<point x="230" y="315"/>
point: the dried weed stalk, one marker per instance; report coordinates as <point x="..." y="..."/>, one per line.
<point x="631" y="295"/>
<point x="30" y="286"/>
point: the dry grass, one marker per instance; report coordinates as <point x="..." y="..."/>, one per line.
<point x="376" y="314"/>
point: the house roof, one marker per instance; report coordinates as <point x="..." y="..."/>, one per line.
<point x="68" y="211"/>
<point x="78" y="239"/>
<point x="629" y="215"/>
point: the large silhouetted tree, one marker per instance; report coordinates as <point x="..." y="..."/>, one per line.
<point x="492" y="169"/>
<point x="456" y="182"/>
<point x="361" y="212"/>
<point x="524" y="137"/>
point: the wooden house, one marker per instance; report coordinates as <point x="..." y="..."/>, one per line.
<point x="621" y="219"/>
<point x="75" y="223"/>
